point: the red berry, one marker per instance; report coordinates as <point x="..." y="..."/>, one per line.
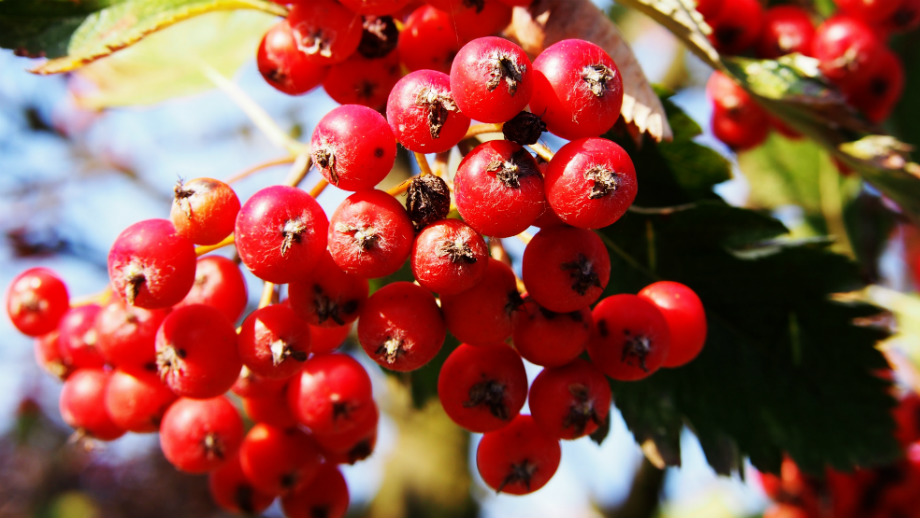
<point x="250" y="385"/>
<point x="137" y="401"/>
<point x="872" y="11"/>
<point x="740" y="129"/>
<point x="329" y="297"/>
<point x="218" y="283"/>
<point x="519" y="458"/>
<point x="198" y="435"/>
<point x="846" y="48"/>
<point x="570" y="401"/>
<point x="482" y="387"/>
<point x="354" y="147"/>
<point x="590" y="183"/>
<point x="375" y="7"/>
<point x="48" y="356"/>
<point x="326" y="496"/>
<point x="498" y="189"/>
<point x="878" y="91"/>
<point x="577" y="89"/>
<point x="281" y="233"/>
<point x="737" y="26"/>
<point x="401" y="326"/>
<point x="271" y="409"/>
<point x="486" y="18"/>
<point x="78" y="339"/>
<point x="565" y="268"/>
<point x="786" y="29"/>
<point x="331" y="394"/>
<point x="277" y="460"/>
<point x="126" y="335"/>
<point x="232" y="491"/>
<point x="548" y="338"/>
<point x="491" y="79"/>
<point x="353" y="445"/>
<point x="428" y="40"/>
<point x="422" y="113"/>
<point x="36" y="301"/>
<point x="204" y="210"/>
<point x="630" y="339"/>
<point x="686" y="318"/>
<point x="709" y="8"/>
<point x="483" y="314"/>
<point x="448" y="257"/>
<point x="365" y="81"/>
<point x="370" y="234"/>
<point x="196" y="352"/>
<point x="327" y="339"/>
<point x="81" y="405"/>
<point x="324" y="30"/>
<point x="274" y="342"/>
<point x="284" y="65"/>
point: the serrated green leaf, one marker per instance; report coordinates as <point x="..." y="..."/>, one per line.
<point x="785" y="368"/>
<point x="73" y="34"/>
<point x="169" y="63"/>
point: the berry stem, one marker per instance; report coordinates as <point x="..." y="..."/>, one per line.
<point x="319" y="188"/>
<point x="479" y="129"/>
<point x="401" y="188"/>
<point x="268" y="295"/>
<point x="542" y="151"/>
<point x="201" y="250"/>
<point x="259" y="167"/>
<point x="422" y="164"/>
<point x="299" y="168"/>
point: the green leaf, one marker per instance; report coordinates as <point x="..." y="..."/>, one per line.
<point x="76" y="33"/>
<point x="170" y="63"/>
<point x="785" y="368"/>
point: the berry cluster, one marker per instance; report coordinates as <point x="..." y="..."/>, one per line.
<point x="880" y="492"/>
<point x="162" y="350"/>
<point x="850" y="47"/>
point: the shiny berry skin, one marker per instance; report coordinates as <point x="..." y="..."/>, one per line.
<point x="370" y="234"/>
<point x="905" y="18"/>
<point x="219" y="283"/>
<point x="448" y="257"/>
<point x="78" y="339"/>
<point x="137" y="401"/>
<point x="846" y="48"/>
<point x="48" y="356"/>
<point x="872" y="11"/>
<point x="519" y="458"/>
<point x="547" y="338"/>
<point x="428" y="40"/>
<point x="491" y="79"/>
<point x="577" y="89"/>
<point x="196" y="352"/>
<point x="709" y="8"/>
<point x="590" y="183"/>
<point x="325" y="31"/>
<point x="281" y="233"/>
<point x="277" y="460"/>
<point x="329" y="297"/>
<point x="401" y="326"/>
<point x="498" y="189"/>
<point x="326" y="496"/>
<point x="483" y="314"/>
<point x="737" y="120"/>
<point x="271" y="409"/>
<point x="198" y="435"/>
<point x="482" y="387"/>
<point x="36" y="300"/>
<point x="364" y="81"/>
<point x="151" y="265"/>
<point x="126" y="335"/>
<point x="375" y="7"/>
<point x="81" y="407"/>
<point x="331" y="394"/>
<point x="353" y="147"/>
<point x="473" y="21"/>
<point x="248" y="384"/>
<point x="423" y="114"/>
<point x="232" y="491"/>
<point x="274" y="342"/>
<point x="630" y="339"/>
<point x="878" y="92"/>
<point x="284" y="66"/>
<point x="204" y="210"/>
<point x="737" y="26"/>
<point x="353" y="445"/>
<point x="786" y="29"/>
<point x="565" y="268"/>
<point x="327" y="339"/>
<point x="570" y="401"/>
<point x="686" y="317"/>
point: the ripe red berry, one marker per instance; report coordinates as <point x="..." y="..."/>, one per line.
<point x="281" y="233"/>
<point x="686" y="317"/>
<point x="325" y="31"/>
<point x="428" y="40"/>
<point x="48" y="356"/>
<point x="570" y="401"/>
<point x="331" y="394"/>
<point x="232" y="491"/>
<point x="327" y="339"/>
<point x="78" y="339"/>
<point x="218" y="283"/>
<point x="577" y="89"/>
<point x="284" y="65"/>
<point x="483" y="314"/>
<point x="448" y="257"/>
<point x="737" y="26"/>
<point x="786" y="29"/>
<point x="737" y="120"/>
<point x="136" y="401"/>
<point x="375" y="7"/>
<point x="151" y="265"/>
<point x="353" y="147"/>
<point x="326" y="496"/>
<point x="271" y="409"/>
<point x="565" y="268"/>
<point x="630" y="339"/>
<point x="519" y="458"/>
<point x="709" y="8"/>
<point x="362" y="80"/>
<point x="846" y="48"/>
<point x="878" y="91"/>
<point x="872" y="11"/>
<point x="480" y="18"/>
<point x="352" y="445"/>
<point x="198" y="435"/>
<point x="250" y="385"/>
<point x="277" y="460"/>
<point x="196" y="352"/>
<point x="422" y="113"/>
<point x="590" y="183"/>
<point x="329" y="297"/>
<point x="370" y="234"/>
<point x="498" y="189"/>
<point x="274" y="342"/>
<point x="81" y="405"/>
<point x="401" y="326"/>
<point x="36" y="301"/>
<point x="491" y="79"/>
<point x="126" y="335"/>
<point x="204" y="210"/>
<point x="547" y="338"/>
<point x="482" y="387"/>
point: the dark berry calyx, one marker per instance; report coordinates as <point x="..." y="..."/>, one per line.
<point x="439" y="105"/>
<point x="315" y="41"/>
<point x="504" y="68"/>
<point x="291" y="233"/>
<point x="636" y="350"/>
<point x="458" y="251"/>
<point x="583" y="274"/>
<point x="582" y="410"/>
<point x="476" y="4"/>
<point x="524" y="128"/>
<point x="378" y="37"/>
<point x="181" y="196"/>
<point x="519" y="472"/>
<point x="329" y="308"/>
<point x="391" y="350"/>
<point x="324" y="158"/>
<point x="134" y="281"/>
<point x="509" y="172"/>
<point x="491" y="394"/>
<point x="597" y="77"/>
<point x="365" y="238"/>
<point x="281" y="351"/>
<point x="213" y="446"/>
<point x="605" y="181"/>
<point x="170" y="359"/>
<point x="428" y="200"/>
